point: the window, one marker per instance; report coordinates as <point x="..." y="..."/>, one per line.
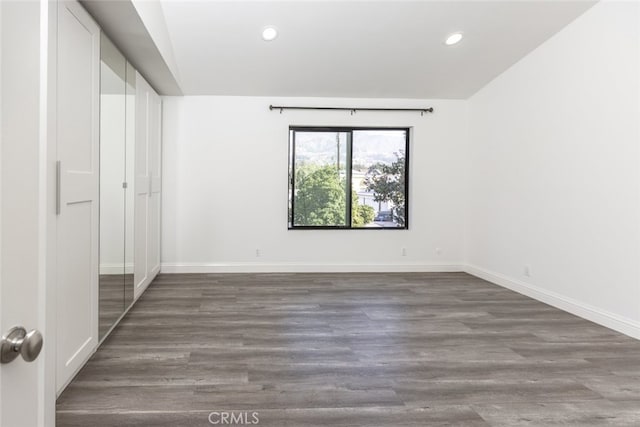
<point x="369" y="164"/>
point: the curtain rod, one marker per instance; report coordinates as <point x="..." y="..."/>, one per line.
<point x="353" y="110"/>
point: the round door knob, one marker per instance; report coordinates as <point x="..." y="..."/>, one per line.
<point x="19" y="342"/>
<point x="31" y="346"/>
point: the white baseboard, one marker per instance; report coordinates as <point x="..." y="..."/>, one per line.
<point x="238" y="267"/>
<point x="613" y="321"/>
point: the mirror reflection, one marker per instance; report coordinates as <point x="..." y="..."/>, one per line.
<point x="130" y="140"/>
<point x="116" y="262"/>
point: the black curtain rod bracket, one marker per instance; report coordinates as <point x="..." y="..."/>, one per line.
<point x="351" y="110"/>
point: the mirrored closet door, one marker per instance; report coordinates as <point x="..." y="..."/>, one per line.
<point x="130" y="148"/>
<point x="117" y="133"/>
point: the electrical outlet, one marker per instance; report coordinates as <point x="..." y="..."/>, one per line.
<point x="527" y="270"/>
<point x="403" y="251"/>
<point x="438" y="251"/>
<point x="257" y="252"/>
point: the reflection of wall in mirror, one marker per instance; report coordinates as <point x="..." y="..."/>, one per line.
<point x="130" y="164"/>
<point x="111" y="178"/>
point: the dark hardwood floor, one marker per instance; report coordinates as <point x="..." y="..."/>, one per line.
<point x="423" y="349"/>
<point x="111" y="301"/>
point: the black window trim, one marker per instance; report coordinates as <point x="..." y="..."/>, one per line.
<point x="348" y="129"/>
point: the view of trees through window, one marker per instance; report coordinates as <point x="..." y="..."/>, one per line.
<point x="326" y="165"/>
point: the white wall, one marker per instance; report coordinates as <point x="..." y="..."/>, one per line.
<point x="554" y="171"/>
<point x="225" y="164"/>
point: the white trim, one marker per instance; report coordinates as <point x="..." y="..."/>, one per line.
<point x="2" y="328"/>
<point x="250" y="267"/>
<point x="47" y="362"/>
<point x="602" y="317"/>
<point x="51" y="222"/>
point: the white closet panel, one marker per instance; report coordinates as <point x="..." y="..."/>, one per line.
<point x="147" y="185"/>
<point x="155" y="161"/>
<point x="141" y="203"/>
<point x="77" y="198"/>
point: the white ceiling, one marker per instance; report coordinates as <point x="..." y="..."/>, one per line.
<point x="369" y="49"/>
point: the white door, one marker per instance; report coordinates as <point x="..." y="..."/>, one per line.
<point x="77" y="229"/>
<point x="148" y="185"/>
<point x="27" y="395"/>
<point x="142" y="187"/>
<point x="155" y="160"/>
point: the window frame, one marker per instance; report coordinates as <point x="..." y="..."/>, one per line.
<point x="349" y="166"/>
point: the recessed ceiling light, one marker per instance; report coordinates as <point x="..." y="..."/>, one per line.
<point x="269" y="33"/>
<point x="453" y="39"/>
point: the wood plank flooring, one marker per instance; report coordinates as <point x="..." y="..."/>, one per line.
<point x="115" y="294"/>
<point x="418" y="349"/>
